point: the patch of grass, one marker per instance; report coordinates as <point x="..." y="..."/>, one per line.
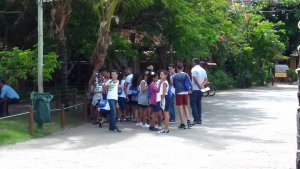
<point x="15" y="129"/>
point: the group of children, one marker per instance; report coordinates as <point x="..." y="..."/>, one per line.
<point x="123" y="97"/>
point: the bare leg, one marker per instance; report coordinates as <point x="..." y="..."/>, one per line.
<point x="180" y="109"/>
<point x="148" y="114"/>
<point x="153" y="119"/>
<point x="186" y="112"/>
<point x="144" y="115"/>
<point x="166" y="116"/>
<point x="159" y="118"/>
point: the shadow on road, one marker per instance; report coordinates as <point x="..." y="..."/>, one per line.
<point x="225" y="117"/>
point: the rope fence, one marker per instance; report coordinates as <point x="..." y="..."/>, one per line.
<point x="62" y="109"/>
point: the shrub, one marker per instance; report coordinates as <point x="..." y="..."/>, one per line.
<point x="292" y="74"/>
<point x="244" y="79"/>
<point x="221" y="80"/>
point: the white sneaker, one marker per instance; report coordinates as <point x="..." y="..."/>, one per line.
<point x="139" y="124"/>
<point x="163" y="131"/>
<point x="146" y="125"/>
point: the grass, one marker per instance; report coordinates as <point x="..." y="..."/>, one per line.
<point x="15" y="129"/>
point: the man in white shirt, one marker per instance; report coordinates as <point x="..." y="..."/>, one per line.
<point x="199" y="79"/>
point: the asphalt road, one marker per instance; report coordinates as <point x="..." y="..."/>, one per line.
<point x="242" y="129"/>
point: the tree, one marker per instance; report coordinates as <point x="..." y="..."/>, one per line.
<point x="106" y="11"/>
<point x="60" y="14"/>
<point x="19" y="64"/>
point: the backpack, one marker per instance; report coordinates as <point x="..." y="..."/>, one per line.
<point x="135" y="91"/>
<point x="120" y="91"/>
<point x="187" y="83"/>
<point x="102" y="103"/>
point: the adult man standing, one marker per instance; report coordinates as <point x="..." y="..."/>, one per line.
<point x="199" y="79"/>
<point x="8" y="94"/>
<point x="172" y="94"/>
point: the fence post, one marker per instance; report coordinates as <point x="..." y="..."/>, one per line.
<point x="5" y="108"/>
<point x="62" y="116"/>
<point x="31" y="120"/>
<point x="85" y="112"/>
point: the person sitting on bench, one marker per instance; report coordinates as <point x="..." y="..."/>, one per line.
<point x="7" y="94"/>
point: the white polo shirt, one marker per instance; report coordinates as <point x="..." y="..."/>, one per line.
<point x="112" y="91"/>
<point x="128" y="79"/>
<point x="200" y="74"/>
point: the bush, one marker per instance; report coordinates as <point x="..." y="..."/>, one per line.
<point x="292" y="74"/>
<point x="244" y="79"/>
<point x="221" y="80"/>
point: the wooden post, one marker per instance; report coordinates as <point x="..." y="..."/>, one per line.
<point x="62" y="116"/>
<point x="85" y="112"/>
<point x="5" y="108"/>
<point x="31" y="120"/>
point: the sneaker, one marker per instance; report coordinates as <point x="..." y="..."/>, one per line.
<point x="159" y="127"/>
<point x="101" y="124"/>
<point x="172" y="121"/>
<point x="182" y="126"/>
<point x="189" y="124"/>
<point x="146" y="125"/>
<point x="153" y="128"/>
<point x="197" y="122"/>
<point x="163" y="131"/>
<point x="139" y="124"/>
<point x="115" y="130"/>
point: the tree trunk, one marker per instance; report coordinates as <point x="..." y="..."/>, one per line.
<point x="60" y="17"/>
<point x="101" y="49"/>
<point x="62" y="50"/>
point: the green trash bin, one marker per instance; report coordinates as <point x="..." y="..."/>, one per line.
<point x="41" y="104"/>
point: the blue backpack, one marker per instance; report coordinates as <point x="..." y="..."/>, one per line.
<point x="120" y="91"/>
<point x="187" y="83"/>
<point x="135" y="91"/>
<point x="102" y="103"/>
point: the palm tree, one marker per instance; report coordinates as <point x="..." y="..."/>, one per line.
<point x="106" y="11"/>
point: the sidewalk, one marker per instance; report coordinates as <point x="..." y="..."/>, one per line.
<point x="243" y="129"/>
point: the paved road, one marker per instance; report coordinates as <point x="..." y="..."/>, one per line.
<point x="243" y="129"/>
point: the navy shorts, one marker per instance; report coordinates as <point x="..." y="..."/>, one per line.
<point x="156" y="108"/>
<point x="122" y="103"/>
<point x="166" y="106"/>
<point x="143" y="106"/>
<point x="104" y="113"/>
<point x="133" y="103"/>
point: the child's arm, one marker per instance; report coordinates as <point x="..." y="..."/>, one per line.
<point x="164" y="92"/>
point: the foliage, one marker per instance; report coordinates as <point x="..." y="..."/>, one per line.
<point x="241" y="39"/>
<point x="221" y="80"/>
<point x="121" y="46"/>
<point x="193" y="26"/>
<point x="292" y="74"/>
<point x="19" y="64"/>
<point x="81" y="31"/>
<point x="248" y="46"/>
<point x="244" y="79"/>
